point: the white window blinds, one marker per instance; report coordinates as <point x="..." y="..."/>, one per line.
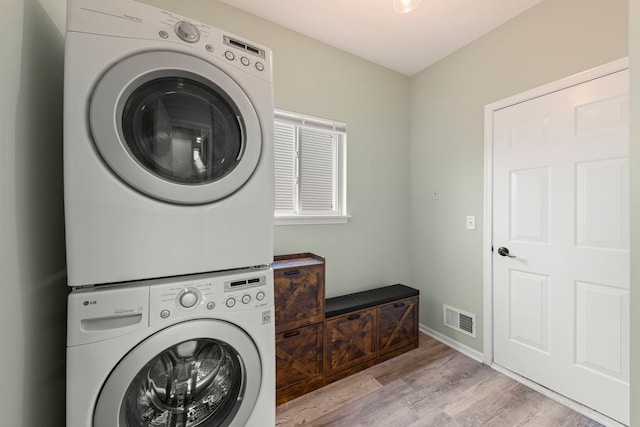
<point x="285" y="167"/>
<point x="309" y="166"/>
<point x="317" y="162"/>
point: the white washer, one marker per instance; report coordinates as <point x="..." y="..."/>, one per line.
<point x="168" y="145"/>
<point x="194" y="352"/>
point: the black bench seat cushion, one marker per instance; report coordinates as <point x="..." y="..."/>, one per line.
<point x="360" y="300"/>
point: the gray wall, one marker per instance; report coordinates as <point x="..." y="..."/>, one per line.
<point x="554" y="39"/>
<point x="32" y="254"/>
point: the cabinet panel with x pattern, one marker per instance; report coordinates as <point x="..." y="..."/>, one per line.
<point x="351" y="340"/>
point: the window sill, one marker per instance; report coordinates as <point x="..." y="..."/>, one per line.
<point x="311" y="219"/>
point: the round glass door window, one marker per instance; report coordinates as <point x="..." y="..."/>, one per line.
<point x="199" y="373"/>
<point x="183" y="131"/>
<point x="194" y="383"/>
<point x="175" y="127"/>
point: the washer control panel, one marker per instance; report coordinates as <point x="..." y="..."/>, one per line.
<point x="250" y="289"/>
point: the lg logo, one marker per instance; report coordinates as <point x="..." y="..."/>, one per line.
<point x="90" y="302"/>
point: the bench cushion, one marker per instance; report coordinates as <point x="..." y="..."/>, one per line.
<point x="360" y="300"/>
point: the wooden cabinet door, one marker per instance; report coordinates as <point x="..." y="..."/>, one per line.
<point x="397" y="325"/>
<point x="299" y="360"/>
<point x="299" y="296"/>
<point x="351" y="339"/>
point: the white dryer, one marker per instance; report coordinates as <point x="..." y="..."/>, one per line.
<point x="197" y="352"/>
<point x="168" y="145"/>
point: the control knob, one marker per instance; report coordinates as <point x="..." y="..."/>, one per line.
<point x="188" y="299"/>
<point x="187" y="31"/>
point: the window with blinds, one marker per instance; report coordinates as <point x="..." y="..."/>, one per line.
<point x="309" y="169"/>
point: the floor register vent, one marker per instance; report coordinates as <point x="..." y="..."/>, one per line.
<point x="459" y="320"/>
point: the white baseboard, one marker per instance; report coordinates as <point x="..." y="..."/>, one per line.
<point x="456" y="345"/>
<point x="478" y="356"/>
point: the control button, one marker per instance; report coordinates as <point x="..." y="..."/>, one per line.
<point x="246" y="299"/>
<point x="245" y="61"/>
<point x="187" y="31"/>
<point x="231" y="302"/>
<point x="209" y="48"/>
<point x="229" y="55"/>
<point x="211" y="305"/>
<point x="165" y="313"/>
<point x="259" y="66"/>
<point x="188" y="299"/>
<point x="163" y="34"/>
<point x="260" y="296"/>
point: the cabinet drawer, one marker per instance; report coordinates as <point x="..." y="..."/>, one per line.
<point x="299" y="296"/>
<point x="351" y="339"/>
<point x="299" y="358"/>
<point x="397" y="325"/>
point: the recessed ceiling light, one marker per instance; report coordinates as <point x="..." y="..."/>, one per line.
<point x="404" y="6"/>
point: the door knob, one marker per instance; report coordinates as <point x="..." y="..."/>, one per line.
<point x="505" y="252"/>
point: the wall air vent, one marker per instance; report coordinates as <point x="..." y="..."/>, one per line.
<point x="459" y="320"/>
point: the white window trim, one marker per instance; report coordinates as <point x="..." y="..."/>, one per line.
<point x="310" y="219"/>
<point x="307" y="218"/>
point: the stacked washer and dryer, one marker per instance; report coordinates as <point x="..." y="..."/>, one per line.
<point x="168" y="169"/>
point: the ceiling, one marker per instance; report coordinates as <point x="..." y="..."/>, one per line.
<point x="371" y="29"/>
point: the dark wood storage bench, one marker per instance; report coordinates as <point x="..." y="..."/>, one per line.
<point x="318" y="341"/>
<point x="366" y="328"/>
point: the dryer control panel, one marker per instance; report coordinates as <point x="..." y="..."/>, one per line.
<point x="244" y="290"/>
<point x="140" y="21"/>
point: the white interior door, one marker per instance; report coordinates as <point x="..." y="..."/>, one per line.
<point x="561" y="206"/>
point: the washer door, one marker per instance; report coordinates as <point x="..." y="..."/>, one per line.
<point x="199" y="373"/>
<point x="175" y="127"/>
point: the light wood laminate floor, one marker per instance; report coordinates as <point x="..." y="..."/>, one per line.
<point x="430" y="386"/>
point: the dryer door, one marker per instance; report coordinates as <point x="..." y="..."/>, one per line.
<point x="175" y="127"/>
<point x="198" y="373"/>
